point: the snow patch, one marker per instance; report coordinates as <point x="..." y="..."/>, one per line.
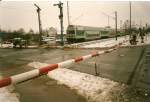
<point x="37" y="64"/>
<point x="146" y="41"/>
<point x="6" y="45"/>
<point x="106" y="43"/>
<point x="112" y="42"/>
<point x="91" y="87"/>
<point x="7" y="94"/>
<point x="94" y="89"/>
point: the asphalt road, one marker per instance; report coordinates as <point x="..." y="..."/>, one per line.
<point x="42" y="89"/>
<point x="118" y="65"/>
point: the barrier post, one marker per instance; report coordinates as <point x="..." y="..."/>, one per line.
<point x="96" y="67"/>
<point x="96" y="71"/>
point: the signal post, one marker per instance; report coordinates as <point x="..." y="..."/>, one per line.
<point x="60" y="6"/>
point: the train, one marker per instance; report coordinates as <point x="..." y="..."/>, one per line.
<point x="78" y="33"/>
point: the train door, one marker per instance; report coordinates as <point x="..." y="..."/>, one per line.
<point x="100" y="34"/>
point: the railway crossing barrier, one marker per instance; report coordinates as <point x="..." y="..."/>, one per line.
<point x="44" y="70"/>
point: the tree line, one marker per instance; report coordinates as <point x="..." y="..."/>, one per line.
<point x="9" y="35"/>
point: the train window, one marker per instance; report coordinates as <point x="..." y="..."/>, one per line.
<point x="80" y="32"/>
<point x="104" y="32"/>
<point x="71" y="32"/>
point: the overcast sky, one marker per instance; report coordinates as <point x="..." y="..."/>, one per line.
<point x="22" y="14"/>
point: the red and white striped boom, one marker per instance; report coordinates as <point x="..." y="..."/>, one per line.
<point x="44" y="70"/>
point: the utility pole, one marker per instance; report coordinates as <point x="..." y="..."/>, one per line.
<point x="68" y="16"/>
<point x="130" y="19"/>
<point x="116" y="24"/>
<point x="108" y="21"/>
<point x="140" y="23"/>
<point x="40" y="25"/>
<point x="60" y="6"/>
<point x="120" y="24"/>
<point x="146" y="27"/>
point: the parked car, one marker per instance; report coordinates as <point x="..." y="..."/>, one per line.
<point x="19" y="42"/>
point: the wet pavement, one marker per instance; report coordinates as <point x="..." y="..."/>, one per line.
<point x="42" y="89"/>
<point x="117" y="65"/>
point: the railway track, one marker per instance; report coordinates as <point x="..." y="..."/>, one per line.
<point x="143" y="74"/>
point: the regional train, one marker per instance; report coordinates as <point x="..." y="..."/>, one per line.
<point x="78" y="33"/>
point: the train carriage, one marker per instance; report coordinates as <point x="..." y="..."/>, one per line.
<point x="77" y="33"/>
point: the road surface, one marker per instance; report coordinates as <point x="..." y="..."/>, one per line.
<point x="118" y="66"/>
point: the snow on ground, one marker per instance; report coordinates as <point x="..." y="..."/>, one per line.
<point x="7" y="94"/>
<point x="11" y="46"/>
<point x="111" y="42"/>
<point x="6" y="45"/>
<point x="146" y="41"/>
<point x="33" y="46"/>
<point x="91" y="87"/>
<point x="94" y="89"/>
<point x="106" y="43"/>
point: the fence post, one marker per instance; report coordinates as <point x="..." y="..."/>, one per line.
<point x="96" y="70"/>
